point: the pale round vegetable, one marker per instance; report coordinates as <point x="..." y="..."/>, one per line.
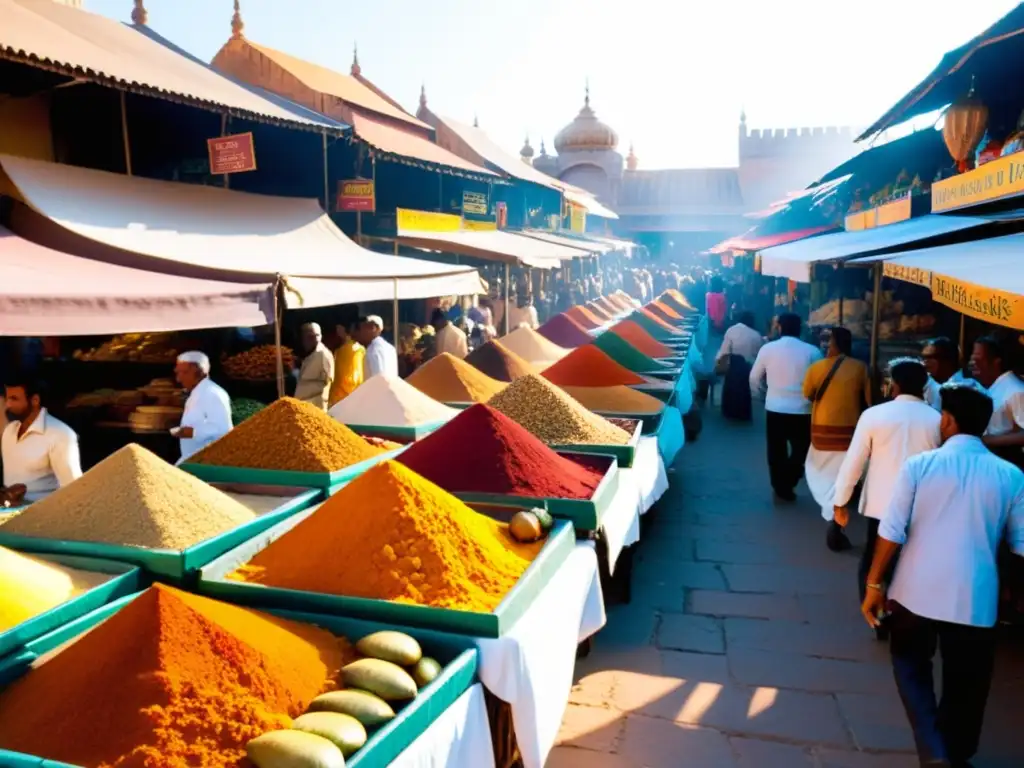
<point x="396" y="647"/>
<point x="367" y="708"/>
<point x="426" y="671"/>
<point x="344" y="731"/>
<point x="525" y="527"/>
<point x="387" y="680"/>
<point x="293" y="749"/>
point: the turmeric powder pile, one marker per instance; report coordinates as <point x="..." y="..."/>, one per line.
<point x="171" y="679"/>
<point x="392" y="535"/>
<point x="290" y="435"/>
<point x="30" y="586"/>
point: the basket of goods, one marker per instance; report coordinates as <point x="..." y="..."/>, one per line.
<point x="135" y="347"/>
<point x="164" y="392"/>
<point x="257" y="364"/>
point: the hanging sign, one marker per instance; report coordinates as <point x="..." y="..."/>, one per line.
<point x="992" y="181"/>
<point x="988" y="304"/>
<point x="408" y="220"/>
<point x="914" y="275"/>
<point x="231" y="154"/>
<point x="577" y="219"/>
<point x="475" y="203"/>
<point x="356" y="195"/>
<point x="887" y="213"/>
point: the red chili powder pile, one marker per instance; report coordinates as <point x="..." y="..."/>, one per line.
<point x="484" y="451"/>
<point x="599" y="312"/>
<point x="637" y="336"/>
<point x="590" y="367"/>
<point x="565" y="332"/>
<point x="500" y="363"/>
<point x="584" y="317"/>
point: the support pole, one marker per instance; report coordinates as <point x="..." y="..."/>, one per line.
<point x="327" y="186"/>
<point x="876" y="313"/>
<point x="508" y="273"/>
<point x="278" y="289"/>
<point x="961" y="357"/>
<point x="842" y="275"/>
<point x="394" y="311"/>
<point x="124" y="135"/>
<point x="224" y="132"/>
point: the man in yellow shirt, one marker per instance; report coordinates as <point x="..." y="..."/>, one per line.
<point x="348" y="365"/>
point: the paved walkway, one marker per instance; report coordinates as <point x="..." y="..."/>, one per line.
<point x="744" y="646"/>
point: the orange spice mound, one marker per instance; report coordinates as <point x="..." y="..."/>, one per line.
<point x="393" y="535"/>
<point x="599" y="312"/>
<point x="638" y="337"/>
<point x="289" y="435"/>
<point x="448" y="379"/>
<point x="609" y="306"/>
<point x="498" y="362"/>
<point x="658" y="320"/>
<point x="663" y="307"/>
<point x="677" y="299"/>
<point x="590" y="367"/>
<point x="171" y="679"/>
<point x="584" y="317"/>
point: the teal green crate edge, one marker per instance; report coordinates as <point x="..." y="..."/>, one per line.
<point x="624" y="454"/>
<point x="212" y="473"/>
<point x="400" y="433"/>
<point x="18" y="760"/>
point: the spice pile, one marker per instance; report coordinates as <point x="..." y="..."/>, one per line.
<point x="609" y="306"/>
<point x="448" y="379"/>
<point x="617" y="399"/>
<point x="641" y="339"/>
<point x="391" y="535"/>
<point x="552" y="415"/>
<point x="590" y="367"/>
<point x="30" y="586"/>
<point x="289" y="435"/>
<point x="665" y="312"/>
<point x="496" y="455"/>
<point x="584" y="317"/>
<point x="171" y="679"/>
<point x="532" y="347"/>
<point x="388" y="401"/>
<point x="258" y="363"/>
<point x="600" y="312"/>
<point x="565" y="332"/>
<point x="654" y="324"/>
<point x="626" y="355"/>
<point x="677" y="301"/>
<point x="132" y="498"/>
<point x="495" y="360"/>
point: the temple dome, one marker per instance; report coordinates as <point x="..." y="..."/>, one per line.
<point x="586" y="132"/>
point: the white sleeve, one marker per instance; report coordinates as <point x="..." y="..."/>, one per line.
<point x="1015" y="408"/>
<point x="1015" y="520"/>
<point x="726" y="348"/>
<point x="757" y="372"/>
<point x="65" y="460"/>
<point x="893" y="526"/>
<point x="214" y="417"/>
<point x="854" y="463"/>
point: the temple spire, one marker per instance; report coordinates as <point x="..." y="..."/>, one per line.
<point x="586" y="98"/>
<point x="423" y="96"/>
<point x="476" y="121"/>
<point x="140" y="16"/>
<point x="356" y="69"/>
<point x="237" y="25"/>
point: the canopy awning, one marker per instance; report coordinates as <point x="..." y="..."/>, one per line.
<point x="481" y="144"/>
<point x="981" y="278"/>
<point x="580" y="243"/>
<point x="49" y="293"/>
<point x="754" y="242"/>
<point x="215" y="233"/>
<point x="588" y="202"/>
<point x="796" y="260"/>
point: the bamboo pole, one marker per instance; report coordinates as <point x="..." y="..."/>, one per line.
<point x="841" y="277"/>
<point x="394" y="311"/>
<point x="876" y="312"/>
<point x="223" y="133"/>
<point x="277" y="338"/>
<point x="327" y="186"/>
<point x="961" y="357"/>
<point x="124" y="135"/>
<point x="508" y="272"/>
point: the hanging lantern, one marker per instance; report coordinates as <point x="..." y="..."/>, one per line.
<point x="966" y="120"/>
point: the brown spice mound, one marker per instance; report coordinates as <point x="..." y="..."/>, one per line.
<point x="289" y="435"/>
<point x="499" y="362"/>
<point x="448" y="379"/>
<point x="617" y="399"/>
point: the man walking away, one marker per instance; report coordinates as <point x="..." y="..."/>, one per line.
<point x="739" y="349"/>
<point x="942" y="359"/>
<point x="949" y="510"/>
<point x="782" y="365"/>
<point x="839" y="389"/>
<point x="886" y="436"/>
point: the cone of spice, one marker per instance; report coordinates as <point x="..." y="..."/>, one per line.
<point x="565" y="332"/>
<point x="626" y="355"/>
<point x="609" y="306"/>
<point x="493" y="359"/>
<point x="667" y="314"/>
<point x="654" y="325"/>
<point x="584" y="317"/>
<point x="532" y="347"/>
<point x="619" y="302"/>
<point x="616" y="400"/>
<point x="599" y="312"/>
<point x="448" y="379"/>
<point x="496" y="455"/>
<point x="677" y="301"/>
<point x="590" y="367"/>
<point x="388" y="401"/>
<point x="552" y="415"/>
<point x="636" y="335"/>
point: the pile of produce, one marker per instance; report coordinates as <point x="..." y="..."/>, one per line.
<point x="584" y="317"/>
<point x="590" y="367"/>
<point x="533" y="347"/>
<point x="30" y="586"/>
<point x="388" y="401"/>
<point x="392" y="535"/>
<point x="638" y="337"/>
<point x="132" y="498"/>
<point x="136" y="348"/>
<point x="503" y="458"/>
<point x="552" y="415"/>
<point x="617" y="399"/>
<point x="448" y="379"/>
<point x="289" y="435"/>
<point x="243" y="407"/>
<point x="258" y="363"/>
<point x="493" y="359"/>
<point x="627" y="355"/>
<point x="171" y="679"/>
<point x="565" y="332"/>
<point x="627" y="301"/>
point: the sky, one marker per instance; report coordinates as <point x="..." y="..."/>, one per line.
<point x="670" y="76"/>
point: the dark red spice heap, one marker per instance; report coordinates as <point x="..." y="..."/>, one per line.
<point x="565" y="332"/>
<point x="500" y="363"/>
<point x="484" y="451"/>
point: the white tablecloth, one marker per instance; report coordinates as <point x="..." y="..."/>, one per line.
<point x="459" y="738"/>
<point x="532" y="666"/>
<point x="649" y="475"/>
<point x="621" y="521"/>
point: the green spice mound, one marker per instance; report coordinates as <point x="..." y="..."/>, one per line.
<point x="132" y="498"/>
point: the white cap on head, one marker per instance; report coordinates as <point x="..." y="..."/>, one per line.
<point x="196" y="358"/>
<point x="315" y="327"/>
<point x="376" y="320"/>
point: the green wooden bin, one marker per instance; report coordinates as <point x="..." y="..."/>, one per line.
<point x="212" y="473"/>
<point x="624" y="454"/>
<point x="397" y="434"/>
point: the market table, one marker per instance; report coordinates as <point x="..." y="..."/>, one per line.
<point x="620" y="524"/>
<point x="648" y="473"/>
<point x="460" y="737"/>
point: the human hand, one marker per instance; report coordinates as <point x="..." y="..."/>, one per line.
<point x="841" y="515"/>
<point x="872" y="607"/>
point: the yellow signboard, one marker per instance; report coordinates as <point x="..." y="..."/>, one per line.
<point x="577" y="219"/>
<point x="1000" y="178"/>
<point x="480" y="226"/>
<point x="887" y="213"/>
<point x="427" y="221"/>
<point x="988" y="304"/>
<point x="914" y="275"/>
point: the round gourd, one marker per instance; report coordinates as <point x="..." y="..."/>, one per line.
<point x="396" y="647"/>
<point x="544" y="518"/>
<point x="293" y="749"/>
<point x="387" y="680"/>
<point x="368" y="709"/>
<point x="426" y="671"/>
<point x="344" y="731"/>
<point x="525" y="527"/>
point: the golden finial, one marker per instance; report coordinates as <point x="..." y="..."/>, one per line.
<point x="423" y="96"/>
<point x="586" y="98"/>
<point x="139" y="14"/>
<point x="356" y="69"/>
<point x="476" y="121"/>
<point x="237" y="25"/>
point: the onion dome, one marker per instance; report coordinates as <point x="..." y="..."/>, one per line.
<point x="631" y="159"/>
<point x="526" y="153"/>
<point x="586" y="132"/>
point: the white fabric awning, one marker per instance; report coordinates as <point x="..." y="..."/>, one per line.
<point x="593" y="207"/>
<point x="579" y="243"/>
<point x="492" y="245"/>
<point x="215" y="233"/>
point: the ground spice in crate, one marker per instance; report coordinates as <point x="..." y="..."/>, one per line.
<point x="551" y="414"/>
<point x="30" y="586"/>
<point x="565" y="332"/>
<point x="495" y="360"/>
<point x="448" y="379"/>
<point x="637" y="336"/>
<point x="136" y="499"/>
<point x="616" y="399"/>
<point x="404" y="539"/>
<point x="484" y="451"/>
<point x="584" y="317"/>
<point x="288" y="435"/>
<point x="171" y="679"/>
<point x="625" y="354"/>
<point x="590" y="367"/>
<point x="532" y="347"/>
<point x="388" y="401"/>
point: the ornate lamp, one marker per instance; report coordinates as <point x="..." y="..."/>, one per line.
<point x="966" y="120"/>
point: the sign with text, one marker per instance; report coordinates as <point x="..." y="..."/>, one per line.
<point x="998" y="179"/>
<point x="475" y="203"/>
<point x="231" y="154"/>
<point x="914" y="275"/>
<point x="408" y="220"/>
<point x="356" y="195"/>
<point x="988" y="304"/>
<point x="887" y="213"/>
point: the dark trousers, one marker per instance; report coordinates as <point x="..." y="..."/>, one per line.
<point x="789" y="439"/>
<point x="869" y="554"/>
<point x="946" y="729"/>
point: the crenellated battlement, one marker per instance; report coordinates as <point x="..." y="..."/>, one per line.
<point x="758" y="142"/>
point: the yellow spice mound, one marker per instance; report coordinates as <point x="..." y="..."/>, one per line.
<point x="30" y="586"/>
<point x="392" y="535"/>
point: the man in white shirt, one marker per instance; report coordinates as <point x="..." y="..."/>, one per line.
<point x="886" y="436"/>
<point x="990" y="363"/>
<point x="522" y="312"/>
<point x="448" y="337"/>
<point x="950" y="509"/>
<point x="741" y="339"/>
<point x="783" y="364"/>
<point x="40" y="452"/>
<point x="380" y="357"/>
<point x="317" y="371"/>
<point x="942" y="360"/>
<point x="207" y="414"/>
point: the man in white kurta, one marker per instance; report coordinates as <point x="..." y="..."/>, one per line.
<point x="207" y="415"/>
<point x="381" y="357"/>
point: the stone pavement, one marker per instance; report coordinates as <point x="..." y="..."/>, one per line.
<point x="743" y="646"/>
